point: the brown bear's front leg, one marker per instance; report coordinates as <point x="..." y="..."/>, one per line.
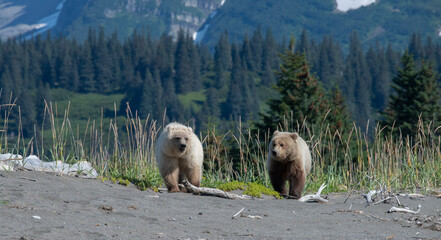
<point x="296" y="184"/>
<point x="277" y="176"/>
<point x="278" y="184"/>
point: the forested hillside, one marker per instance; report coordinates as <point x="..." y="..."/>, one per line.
<point x="386" y="21"/>
<point x="191" y="83"/>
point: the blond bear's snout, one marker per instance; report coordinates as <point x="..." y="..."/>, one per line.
<point x="182" y="147"/>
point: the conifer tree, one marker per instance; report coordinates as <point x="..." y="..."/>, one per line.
<point x="429" y="95"/>
<point x="86" y="73"/>
<point x="358" y="82"/>
<point x="270" y="59"/>
<point x="338" y="116"/>
<point x="301" y="95"/>
<point x="246" y="54"/>
<point x="183" y="67"/>
<point x="103" y="64"/>
<point x="379" y="69"/>
<point x="234" y="98"/>
<point x="416" y="94"/>
<point x="257" y="50"/>
<point x="152" y="96"/>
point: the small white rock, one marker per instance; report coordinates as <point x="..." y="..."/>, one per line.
<point x="36" y="217"/>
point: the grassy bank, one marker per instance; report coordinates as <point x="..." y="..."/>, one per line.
<point x="123" y="148"/>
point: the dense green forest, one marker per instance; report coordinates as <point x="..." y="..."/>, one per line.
<point x="186" y="82"/>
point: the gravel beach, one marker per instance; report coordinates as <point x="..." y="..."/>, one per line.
<point x="38" y="205"/>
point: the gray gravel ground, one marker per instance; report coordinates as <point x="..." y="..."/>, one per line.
<point x="75" y="208"/>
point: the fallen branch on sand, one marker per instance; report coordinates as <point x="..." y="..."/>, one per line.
<point x="235" y="215"/>
<point x="213" y="191"/>
<point x="316" y="197"/>
<point x="245" y="215"/>
<point x="251" y="216"/>
<point x="405" y="210"/>
<point x="411" y="195"/>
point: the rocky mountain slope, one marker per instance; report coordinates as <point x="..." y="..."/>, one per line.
<point x="384" y="21"/>
<point x="125" y="16"/>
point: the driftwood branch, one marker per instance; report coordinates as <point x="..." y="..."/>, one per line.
<point x="411" y="195"/>
<point x="370" y="196"/>
<point x="316" y="197"/>
<point x="213" y="191"/>
<point x="384" y="200"/>
<point x="405" y="210"/>
<point x="251" y="216"/>
<point x="235" y="215"/>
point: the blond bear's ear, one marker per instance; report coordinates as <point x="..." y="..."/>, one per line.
<point x="190" y="129"/>
<point x="275" y="133"/>
<point x="294" y="136"/>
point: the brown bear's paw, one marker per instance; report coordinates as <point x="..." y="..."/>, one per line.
<point x="172" y="190"/>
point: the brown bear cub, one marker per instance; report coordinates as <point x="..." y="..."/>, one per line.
<point x="289" y="159"/>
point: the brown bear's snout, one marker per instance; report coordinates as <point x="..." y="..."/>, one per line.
<point x="274" y="153"/>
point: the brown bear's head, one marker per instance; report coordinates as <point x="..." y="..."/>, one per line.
<point x="179" y="138"/>
<point x="282" y="145"/>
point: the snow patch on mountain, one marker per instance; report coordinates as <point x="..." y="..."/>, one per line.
<point x="346" y="5"/>
<point x="51" y="20"/>
<point x="199" y="35"/>
<point x="9" y="12"/>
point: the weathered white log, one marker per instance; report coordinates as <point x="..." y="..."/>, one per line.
<point x="316" y="197"/>
<point x="405" y="210"/>
<point x="411" y="195"/>
<point x="213" y="191"/>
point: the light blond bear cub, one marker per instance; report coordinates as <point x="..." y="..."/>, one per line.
<point x="289" y="159"/>
<point x="179" y="155"/>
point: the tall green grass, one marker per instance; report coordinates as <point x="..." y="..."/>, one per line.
<point x="124" y="148"/>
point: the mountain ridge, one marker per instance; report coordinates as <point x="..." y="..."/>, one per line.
<point x="382" y="21"/>
<point x="385" y="21"/>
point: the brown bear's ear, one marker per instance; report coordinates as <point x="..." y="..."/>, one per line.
<point x="294" y="136"/>
<point x="275" y="133"/>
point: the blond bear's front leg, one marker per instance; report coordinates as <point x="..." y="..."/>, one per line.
<point x="171" y="181"/>
<point x="194" y="176"/>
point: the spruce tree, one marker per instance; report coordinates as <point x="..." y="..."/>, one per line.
<point x="428" y="96"/>
<point x="338" y="116"/>
<point x="416" y="94"/>
<point x="234" y="98"/>
<point x="87" y="76"/>
<point x="183" y="68"/>
<point x="103" y="64"/>
<point x="302" y="98"/>
<point x="358" y="83"/>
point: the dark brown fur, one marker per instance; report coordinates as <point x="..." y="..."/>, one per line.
<point x="289" y="160"/>
<point x="287" y="171"/>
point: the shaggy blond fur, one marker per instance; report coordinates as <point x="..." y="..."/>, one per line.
<point x="289" y="159"/>
<point x="179" y="155"/>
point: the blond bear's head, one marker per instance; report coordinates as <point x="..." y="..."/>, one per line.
<point x="282" y="145"/>
<point x="179" y="138"/>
